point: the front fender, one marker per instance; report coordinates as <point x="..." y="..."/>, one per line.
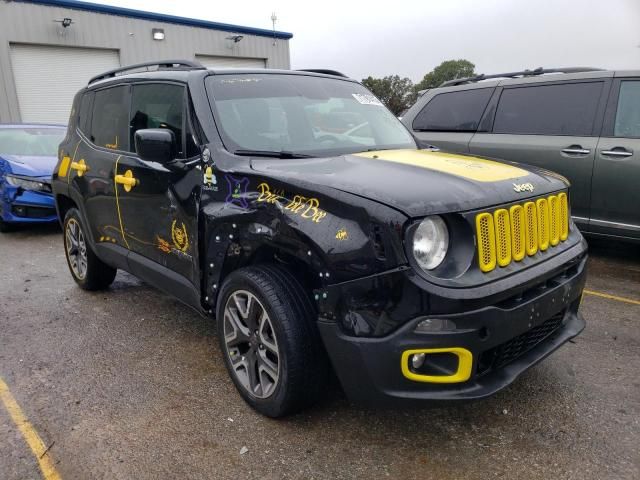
<point x="327" y="235"/>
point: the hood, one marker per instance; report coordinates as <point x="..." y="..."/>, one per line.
<point x="30" y="166"/>
<point x="419" y="182"/>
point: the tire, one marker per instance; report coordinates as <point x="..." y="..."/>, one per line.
<point x="88" y="271"/>
<point x="302" y="365"/>
<point x="6" y="227"/>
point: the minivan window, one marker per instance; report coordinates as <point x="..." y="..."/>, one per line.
<point x="454" y="111"/>
<point x="157" y="105"/>
<point x="628" y="115"/>
<point x="302" y="114"/>
<point x="558" y="109"/>
<point x="110" y="119"/>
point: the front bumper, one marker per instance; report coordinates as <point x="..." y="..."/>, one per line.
<point x="24" y="206"/>
<point x="504" y="339"/>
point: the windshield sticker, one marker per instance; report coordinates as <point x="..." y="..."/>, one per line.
<point x="305" y="207"/>
<point x="237" y="191"/>
<point x="241" y="80"/>
<point x="366" y="99"/>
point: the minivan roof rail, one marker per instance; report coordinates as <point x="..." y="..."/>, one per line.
<point x="324" y="71"/>
<point x="161" y="64"/>
<point x="524" y="73"/>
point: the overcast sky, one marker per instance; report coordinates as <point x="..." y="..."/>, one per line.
<point x="409" y="38"/>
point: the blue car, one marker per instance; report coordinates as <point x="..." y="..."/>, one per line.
<point x="28" y="154"/>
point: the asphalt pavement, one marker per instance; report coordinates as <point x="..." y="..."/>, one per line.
<point x="130" y="384"/>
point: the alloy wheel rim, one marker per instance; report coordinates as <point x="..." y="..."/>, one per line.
<point x="76" y="249"/>
<point x="251" y="344"/>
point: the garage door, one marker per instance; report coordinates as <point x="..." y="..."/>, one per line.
<point x="210" y="61"/>
<point x="47" y="78"/>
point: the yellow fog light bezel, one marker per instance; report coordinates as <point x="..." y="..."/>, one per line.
<point x="465" y="362"/>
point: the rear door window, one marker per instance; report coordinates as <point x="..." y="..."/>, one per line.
<point x="558" y="109"/>
<point x="627" y="122"/>
<point x="158" y="105"/>
<point x="110" y="119"/>
<point x="84" y="117"/>
<point x="454" y="111"/>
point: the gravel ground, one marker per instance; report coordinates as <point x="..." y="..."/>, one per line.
<point x="130" y="384"/>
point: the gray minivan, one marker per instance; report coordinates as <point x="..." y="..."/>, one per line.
<point x="582" y="123"/>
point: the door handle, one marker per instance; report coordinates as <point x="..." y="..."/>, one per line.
<point x="576" y="150"/>
<point x="127" y="180"/>
<point x="617" y="152"/>
<point x="79" y="167"/>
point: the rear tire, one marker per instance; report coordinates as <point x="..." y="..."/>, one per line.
<point x="269" y="340"/>
<point x="88" y="271"/>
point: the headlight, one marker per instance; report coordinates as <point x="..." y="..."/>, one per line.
<point x="26" y="184"/>
<point x="430" y="242"/>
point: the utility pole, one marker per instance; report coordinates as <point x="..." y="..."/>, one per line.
<point x="273" y="22"/>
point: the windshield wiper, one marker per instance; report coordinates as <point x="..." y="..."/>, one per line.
<point x="272" y="154"/>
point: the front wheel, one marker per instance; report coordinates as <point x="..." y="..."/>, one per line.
<point x="269" y="340"/>
<point x="6" y="227"/>
<point x="86" y="268"/>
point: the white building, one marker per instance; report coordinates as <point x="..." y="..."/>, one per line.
<point x="50" y="48"/>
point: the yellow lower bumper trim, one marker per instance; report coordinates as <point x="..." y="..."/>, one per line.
<point x="465" y="362"/>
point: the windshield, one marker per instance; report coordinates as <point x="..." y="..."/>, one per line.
<point x="41" y="142"/>
<point x="303" y="115"/>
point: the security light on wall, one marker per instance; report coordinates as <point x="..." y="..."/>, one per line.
<point x="235" y="38"/>
<point x="65" y="22"/>
<point x="157" y="33"/>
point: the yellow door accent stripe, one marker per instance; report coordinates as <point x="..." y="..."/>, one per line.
<point x="465" y="362"/>
<point x="115" y="186"/>
<point x="472" y="168"/>
<point x="29" y="433"/>
<point x="611" y="297"/>
<point x="73" y="159"/>
<point x="64" y="167"/>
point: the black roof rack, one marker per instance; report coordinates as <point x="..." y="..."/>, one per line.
<point x="325" y="71"/>
<point x="161" y="64"/>
<point x="525" y="73"/>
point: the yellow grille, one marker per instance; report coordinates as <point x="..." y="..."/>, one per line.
<point x="486" y="242"/>
<point x="564" y="216"/>
<point x="554" y="220"/>
<point x="523" y="230"/>
<point x="518" y="235"/>
<point x="503" y="237"/>
<point x="542" y="206"/>
<point x="531" y="233"/>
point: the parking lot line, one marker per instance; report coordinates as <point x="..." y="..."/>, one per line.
<point x="29" y="433"/>
<point x="612" y="297"/>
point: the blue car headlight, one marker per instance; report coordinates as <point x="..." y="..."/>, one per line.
<point x="28" y="184"/>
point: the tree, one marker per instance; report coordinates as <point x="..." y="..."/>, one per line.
<point x="393" y="91"/>
<point x="447" y="70"/>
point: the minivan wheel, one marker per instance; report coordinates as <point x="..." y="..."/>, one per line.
<point x="86" y="268"/>
<point x="269" y="340"/>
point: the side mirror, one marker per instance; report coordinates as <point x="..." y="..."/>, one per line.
<point x="156" y="145"/>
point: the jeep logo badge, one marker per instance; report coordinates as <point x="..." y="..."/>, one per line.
<point x="523" y="187"/>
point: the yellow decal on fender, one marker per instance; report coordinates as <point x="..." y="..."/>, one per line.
<point x="179" y="236"/>
<point x="473" y="168"/>
<point x="305" y="207"/>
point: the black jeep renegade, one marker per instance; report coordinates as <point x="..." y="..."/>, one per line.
<point x="295" y="209"/>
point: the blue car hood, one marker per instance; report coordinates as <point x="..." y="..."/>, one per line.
<point x="27" y="165"/>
